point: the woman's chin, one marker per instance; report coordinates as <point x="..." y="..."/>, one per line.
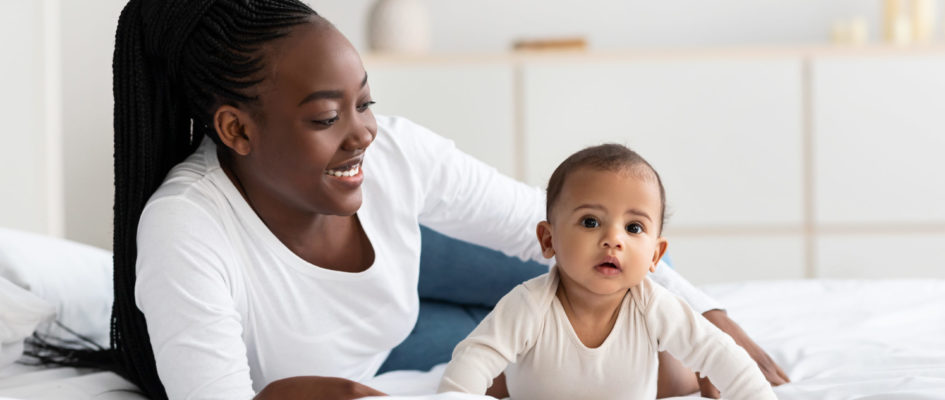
<point x="348" y="206"/>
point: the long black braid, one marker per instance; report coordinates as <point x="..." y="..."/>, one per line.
<point x="175" y="62"/>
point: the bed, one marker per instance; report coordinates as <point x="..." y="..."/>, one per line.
<point x="836" y="339"/>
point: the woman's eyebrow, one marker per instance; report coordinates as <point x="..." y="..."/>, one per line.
<point x="328" y="94"/>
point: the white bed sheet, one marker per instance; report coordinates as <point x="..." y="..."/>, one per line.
<point x="836" y="339"/>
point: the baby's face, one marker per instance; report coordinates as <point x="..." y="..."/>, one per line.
<point x="605" y="230"/>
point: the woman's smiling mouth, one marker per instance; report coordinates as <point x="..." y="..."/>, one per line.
<point x="345" y="171"/>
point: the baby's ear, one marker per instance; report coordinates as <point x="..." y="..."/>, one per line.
<point x="661" y="244"/>
<point x="544" y="239"/>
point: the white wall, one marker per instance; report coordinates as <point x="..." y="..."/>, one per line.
<point x="88" y="40"/>
<point x="492" y="25"/>
<point x="30" y="164"/>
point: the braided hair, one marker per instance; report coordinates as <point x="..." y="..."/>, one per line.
<point x="175" y="62"/>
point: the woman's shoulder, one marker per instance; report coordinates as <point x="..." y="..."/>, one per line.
<point x="191" y="197"/>
<point x="194" y="186"/>
<point x="410" y="139"/>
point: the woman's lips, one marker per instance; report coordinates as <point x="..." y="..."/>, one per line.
<point x="345" y="171"/>
<point x="349" y="176"/>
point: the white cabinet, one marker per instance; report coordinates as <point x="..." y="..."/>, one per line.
<point x="879" y="139"/>
<point x="714" y="258"/>
<point x="725" y="135"/>
<point x="878" y="255"/>
<point x="777" y="164"/>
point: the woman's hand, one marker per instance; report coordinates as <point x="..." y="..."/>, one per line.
<point x="315" y="388"/>
<point x="769" y="368"/>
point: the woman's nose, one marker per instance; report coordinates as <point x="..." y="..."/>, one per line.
<point x="360" y="135"/>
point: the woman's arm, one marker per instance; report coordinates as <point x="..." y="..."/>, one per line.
<point x="182" y="289"/>
<point x="466" y="199"/>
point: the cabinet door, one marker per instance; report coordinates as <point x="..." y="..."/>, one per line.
<point x="471" y="104"/>
<point x="725" y="135"/>
<point x="879" y="129"/>
<point x="896" y="255"/>
<point x="731" y="258"/>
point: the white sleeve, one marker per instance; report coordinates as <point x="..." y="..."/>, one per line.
<point x="182" y="289"/>
<point x="505" y="333"/>
<point x="703" y="347"/>
<point x="675" y="283"/>
<point x="469" y="200"/>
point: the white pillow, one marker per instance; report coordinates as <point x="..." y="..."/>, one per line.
<point x="76" y="279"/>
<point x="20" y="313"/>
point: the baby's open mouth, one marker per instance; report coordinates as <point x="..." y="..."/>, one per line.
<point x="608" y="265"/>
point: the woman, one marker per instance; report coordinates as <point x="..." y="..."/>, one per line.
<point x="278" y="258"/>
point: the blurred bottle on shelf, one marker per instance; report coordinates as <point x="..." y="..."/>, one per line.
<point x="852" y="31"/>
<point x="896" y="25"/>
<point x="908" y="22"/>
<point x="923" y="20"/>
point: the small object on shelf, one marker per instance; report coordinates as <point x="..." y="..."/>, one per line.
<point x="902" y="31"/>
<point x="570" y="43"/>
<point x="851" y="31"/>
<point x="923" y="20"/>
<point x="892" y="16"/>
<point x="859" y="31"/>
<point x="398" y="26"/>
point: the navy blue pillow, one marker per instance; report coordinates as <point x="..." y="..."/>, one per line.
<point x="460" y="272"/>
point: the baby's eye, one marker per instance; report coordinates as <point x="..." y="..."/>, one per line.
<point x="590" y="222"/>
<point x="634" y="228"/>
<point x="364" y="106"/>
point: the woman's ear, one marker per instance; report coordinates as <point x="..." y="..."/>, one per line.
<point x="661" y="244"/>
<point x="544" y="239"/>
<point x="235" y="128"/>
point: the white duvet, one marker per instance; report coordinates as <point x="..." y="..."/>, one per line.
<point x="837" y="340"/>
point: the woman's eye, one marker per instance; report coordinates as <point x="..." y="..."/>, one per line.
<point x="364" y="106"/>
<point x="327" y="122"/>
<point x="589" y="222"/>
<point x="634" y="228"/>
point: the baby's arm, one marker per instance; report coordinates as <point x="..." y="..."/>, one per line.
<point x="701" y="346"/>
<point x="508" y="331"/>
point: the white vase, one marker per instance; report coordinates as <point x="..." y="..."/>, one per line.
<point x="399" y="26"/>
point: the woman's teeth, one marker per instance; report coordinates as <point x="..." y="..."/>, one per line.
<point x="342" y="172"/>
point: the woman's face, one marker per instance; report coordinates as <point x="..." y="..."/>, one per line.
<point x="314" y="122"/>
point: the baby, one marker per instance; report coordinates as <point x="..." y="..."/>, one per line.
<point x="591" y="328"/>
